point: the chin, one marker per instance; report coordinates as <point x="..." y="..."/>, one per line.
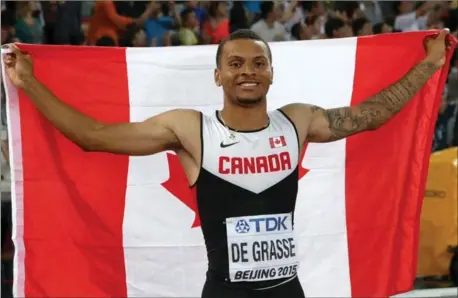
<point x="249" y="101"/>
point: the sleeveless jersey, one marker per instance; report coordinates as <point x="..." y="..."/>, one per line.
<point x="246" y="195"/>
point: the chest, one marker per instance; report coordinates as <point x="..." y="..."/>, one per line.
<point x="254" y="161"/>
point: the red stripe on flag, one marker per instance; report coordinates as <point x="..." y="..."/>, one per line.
<point x="386" y="171"/>
<point x="74" y="201"/>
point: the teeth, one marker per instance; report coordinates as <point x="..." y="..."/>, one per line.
<point x="249" y="84"/>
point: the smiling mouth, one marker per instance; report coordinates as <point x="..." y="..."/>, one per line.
<point x="248" y="84"/>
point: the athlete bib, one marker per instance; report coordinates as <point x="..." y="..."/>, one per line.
<point x="261" y="247"/>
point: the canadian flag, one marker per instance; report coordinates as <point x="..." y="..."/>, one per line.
<point x="93" y="224"/>
<point x="277" y="142"/>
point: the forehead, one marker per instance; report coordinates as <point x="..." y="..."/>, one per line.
<point x="245" y="48"/>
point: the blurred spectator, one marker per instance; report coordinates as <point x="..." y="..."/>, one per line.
<point x="107" y="22"/>
<point x="8" y="26"/>
<point x="451" y="21"/>
<point x="382" y="28"/>
<point x="336" y="28"/>
<point x="268" y="27"/>
<point x="187" y="34"/>
<point x="156" y="34"/>
<point x="217" y="27"/>
<point x="362" y="27"/>
<point x="7" y="250"/>
<point x="443" y="134"/>
<point x="315" y="10"/>
<point x="198" y="11"/>
<point x="238" y="18"/>
<point x="49" y="9"/>
<point x="134" y="36"/>
<point x="254" y="8"/>
<point x="373" y="11"/>
<point x="68" y="20"/>
<point x="410" y="19"/>
<point x="168" y="18"/>
<point x="291" y="14"/>
<point x="106" y="41"/>
<point x="28" y="26"/>
<point x="131" y="9"/>
<point x="348" y="10"/>
<point x="316" y="25"/>
<point x="301" y="32"/>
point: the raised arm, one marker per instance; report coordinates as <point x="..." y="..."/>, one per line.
<point x="327" y="125"/>
<point x="151" y="136"/>
<point x="334" y="124"/>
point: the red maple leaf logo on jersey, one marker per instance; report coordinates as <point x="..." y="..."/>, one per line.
<point x="178" y="185"/>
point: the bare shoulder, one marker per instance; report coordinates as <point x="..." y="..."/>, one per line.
<point x="184" y="123"/>
<point x="173" y="117"/>
<point x="301" y="115"/>
<point x="187" y="128"/>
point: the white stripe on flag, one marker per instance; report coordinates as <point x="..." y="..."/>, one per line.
<point x="163" y="255"/>
<point x="17" y="190"/>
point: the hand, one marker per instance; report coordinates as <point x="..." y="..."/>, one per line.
<point x="19" y="66"/>
<point x="436" y="48"/>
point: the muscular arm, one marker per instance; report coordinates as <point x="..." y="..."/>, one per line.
<point x="334" y="124"/>
<point x="143" y="138"/>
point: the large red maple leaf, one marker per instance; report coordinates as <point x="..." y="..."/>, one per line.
<point x="178" y="186"/>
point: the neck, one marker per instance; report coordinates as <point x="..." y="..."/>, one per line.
<point x="242" y="118"/>
<point x="270" y="21"/>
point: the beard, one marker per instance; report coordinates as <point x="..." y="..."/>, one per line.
<point x="249" y="102"/>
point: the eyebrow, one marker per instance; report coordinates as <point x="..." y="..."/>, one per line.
<point x="240" y="57"/>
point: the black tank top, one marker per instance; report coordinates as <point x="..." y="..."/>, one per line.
<point x="246" y="196"/>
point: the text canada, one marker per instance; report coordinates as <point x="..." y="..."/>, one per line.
<point x="254" y="165"/>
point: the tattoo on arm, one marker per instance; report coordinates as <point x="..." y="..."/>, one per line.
<point x="376" y="110"/>
<point x="396" y="96"/>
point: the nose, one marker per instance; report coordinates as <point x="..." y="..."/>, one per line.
<point x="248" y="69"/>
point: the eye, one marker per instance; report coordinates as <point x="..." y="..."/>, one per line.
<point x="235" y="64"/>
<point x="260" y="64"/>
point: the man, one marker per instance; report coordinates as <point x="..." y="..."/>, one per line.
<point x="187" y="33"/>
<point x="242" y="160"/>
<point x="268" y="28"/>
<point x="410" y="19"/>
<point x="362" y="27"/>
<point x="337" y="28"/>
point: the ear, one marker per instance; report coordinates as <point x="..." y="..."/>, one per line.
<point x="272" y="76"/>
<point x="217" y="78"/>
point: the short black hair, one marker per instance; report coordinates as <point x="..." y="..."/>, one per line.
<point x="358" y="24"/>
<point x="296" y="30"/>
<point x="266" y="7"/>
<point x="105" y="41"/>
<point x="377" y="28"/>
<point x="331" y="25"/>
<point x="395" y="6"/>
<point x="129" y="34"/>
<point x="241" y="34"/>
<point x="185" y="13"/>
<point x="308" y="5"/>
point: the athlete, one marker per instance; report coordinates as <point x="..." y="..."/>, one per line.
<point x="242" y="160"/>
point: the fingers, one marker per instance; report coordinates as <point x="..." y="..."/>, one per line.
<point x="14" y="49"/>
<point x="448" y="44"/>
<point x="12" y="54"/>
<point x="9" y="59"/>
<point x="443" y="34"/>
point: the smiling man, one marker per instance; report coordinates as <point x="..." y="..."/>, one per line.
<point x="242" y="160"/>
